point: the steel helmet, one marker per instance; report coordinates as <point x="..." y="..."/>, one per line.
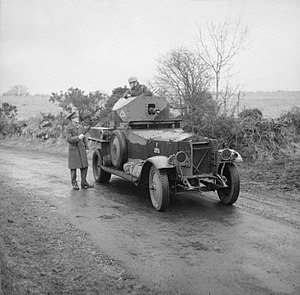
<point x="132" y="79"/>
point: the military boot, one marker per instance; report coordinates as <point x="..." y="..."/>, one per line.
<point x="73" y="179"/>
<point x="87" y="185"/>
<point x="84" y="183"/>
<point x="75" y="186"/>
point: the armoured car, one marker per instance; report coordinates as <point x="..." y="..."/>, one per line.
<point x="148" y="147"/>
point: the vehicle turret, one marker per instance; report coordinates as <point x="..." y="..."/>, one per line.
<point x="141" y="108"/>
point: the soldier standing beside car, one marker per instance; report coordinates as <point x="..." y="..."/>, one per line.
<point x="136" y="88"/>
<point x="77" y="152"/>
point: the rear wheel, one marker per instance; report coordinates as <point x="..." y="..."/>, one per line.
<point x="100" y="175"/>
<point x="159" y="189"/>
<point x="230" y="194"/>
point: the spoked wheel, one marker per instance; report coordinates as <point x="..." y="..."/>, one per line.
<point x="159" y="189"/>
<point x="100" y="175"/>
<point x="230" y="194"/>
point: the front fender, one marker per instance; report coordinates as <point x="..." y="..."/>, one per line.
<point x="159" y="162"/>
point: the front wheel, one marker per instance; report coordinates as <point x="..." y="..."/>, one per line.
<point x="230" y="194"/>
<point x="100" y="175"/>
<point x="159" y="189"/>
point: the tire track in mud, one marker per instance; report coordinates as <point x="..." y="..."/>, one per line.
<point x="276" y="209"/>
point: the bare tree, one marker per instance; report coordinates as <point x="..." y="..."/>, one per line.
<point x="17" y="90"/>
<point x="183" y="78"/>
<point x="217" y="46"/>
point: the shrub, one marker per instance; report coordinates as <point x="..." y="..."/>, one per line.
<point x="252" y="135"/>
<point x="45" y="126"/>
<point x="8" y="120"/>
<point x="89" y="106"/>
<point x="292" y="118"/>
<point x="266" y="139"/>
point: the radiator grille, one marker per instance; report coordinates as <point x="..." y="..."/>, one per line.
<point x="201" y="158"/>
<point x="205" y="157"/>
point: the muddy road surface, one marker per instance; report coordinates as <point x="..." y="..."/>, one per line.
<point x="198" y="246"/>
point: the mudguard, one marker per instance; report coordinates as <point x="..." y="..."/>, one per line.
<point x="159" y="162"/>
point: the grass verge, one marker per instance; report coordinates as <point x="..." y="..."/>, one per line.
<point x="42" y="253"/>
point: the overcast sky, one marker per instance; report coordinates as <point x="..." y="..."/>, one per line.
<point x="52" y="45"/>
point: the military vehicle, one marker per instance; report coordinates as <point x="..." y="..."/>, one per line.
<point x="148" y="147"/>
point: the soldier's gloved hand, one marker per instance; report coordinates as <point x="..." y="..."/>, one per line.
<point x="127" y="95"/>
<point x="81" y="136"/>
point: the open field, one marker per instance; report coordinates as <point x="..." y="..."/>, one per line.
<point x="272" y="104"/>
<point x="30" y="106"/>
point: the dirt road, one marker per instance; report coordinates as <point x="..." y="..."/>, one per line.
<point x="198" y="246"/>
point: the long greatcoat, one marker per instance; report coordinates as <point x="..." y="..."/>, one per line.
<point x="77" y="155"/>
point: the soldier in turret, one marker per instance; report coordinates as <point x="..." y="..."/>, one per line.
<point x="136" y="88"/>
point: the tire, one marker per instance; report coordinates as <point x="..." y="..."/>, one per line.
<point x="230" y="194"/>
<point x="159" y="189"/>
<point x="100" y="175"/>
<point x="118" y="149"/>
